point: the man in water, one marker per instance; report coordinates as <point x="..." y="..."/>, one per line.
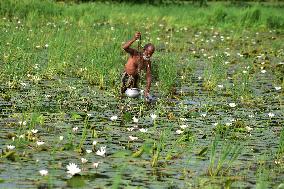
<point x="136" y="62"/>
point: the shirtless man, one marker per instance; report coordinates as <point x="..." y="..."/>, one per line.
<point x="136" y="62"/>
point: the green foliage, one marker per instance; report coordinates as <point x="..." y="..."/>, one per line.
<point x="76" y="181"/>
<point x="220" y="15"/>
<point x="281" y="144"/>
<point x="167" y="72"/>
<point x="275" y="22"/>
<point x="222" y="158"/>
<point x="251" y="16"/>
<point x="52" y="39"/>
<point x="214" y="73"/>
<point x="24" y="8"/>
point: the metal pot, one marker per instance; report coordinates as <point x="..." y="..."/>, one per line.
<point x="132" y="92"/>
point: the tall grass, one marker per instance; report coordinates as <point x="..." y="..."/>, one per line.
<point x="221" y="160"/>
<point x="44" y="39"/>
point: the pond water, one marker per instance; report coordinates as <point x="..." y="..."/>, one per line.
<point x="183" y="159"/>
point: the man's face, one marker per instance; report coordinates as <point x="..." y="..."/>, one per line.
<point x="148" y="52"/>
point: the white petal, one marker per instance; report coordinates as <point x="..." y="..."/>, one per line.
<point x="43" y="172"/>
<point x="179" y="131"/>
<point x="133" y="138"/>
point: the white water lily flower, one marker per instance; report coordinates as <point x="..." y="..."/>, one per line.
<point x="271" y="114"/>
<point x="278" y="88"/>
<point x="34" y="131"/>
<point x="61" y="138"/>
<point x="113" y="118"/>
<point x="245" y="71"/>
<point x="232" y="105"/>
<point x="143" y="130"/>
<point x="10" y="147"/>
<point x="203" y="115"/>
<point x="228" y="124"/>
<point x="133" y="138"/>
<point x="22" y="136"/>
<point x="233" y="120"/>
<point x="39" y="143"/>
<point x="215" y="124"/>
<point x="135" y="120"/>
<point x="23" y="84"/>
<point x="96" y="164"/>
<point x="130" y="129"/>
<point x="89" y="151"/>
<point x="183" y="126"/>
<point x="249" y="128"/>
<point x="101" y="151"/>
<point x="83" y="160"/>
<point x="22" y="122"/>
<point x="73" y="169"/>
<point x="251" y="116"/>
<point x="36" y="66"/>
<point x="153" y="116"/>
<point x="95" y="143"/>
<point x="75" y="129"/>
<point x="43" y="172"/>
<point x="179" y="131"/>
<point x="239" y="54"/>
<point x="263" y="71"/>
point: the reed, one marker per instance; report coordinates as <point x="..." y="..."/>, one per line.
<point x="83" y="40"/>
<point x="222" y="158"/>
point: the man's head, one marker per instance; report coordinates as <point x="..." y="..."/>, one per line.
<point x="149" y="49"/>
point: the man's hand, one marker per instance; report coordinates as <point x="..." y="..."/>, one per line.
<point x="148" y="97"/>
<point x="137" y="35"/>
<point x="146" y="94"/>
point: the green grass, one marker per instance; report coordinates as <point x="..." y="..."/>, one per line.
<point x="222" y="159"/>
<point x="61" y="65"/>
<point x="43" y="39"/>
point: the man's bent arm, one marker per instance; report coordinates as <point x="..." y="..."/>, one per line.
<point x="127" y="48"/>
<point x="127" y="45"/>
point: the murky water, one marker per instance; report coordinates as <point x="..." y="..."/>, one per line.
<point x="59" y="105"/>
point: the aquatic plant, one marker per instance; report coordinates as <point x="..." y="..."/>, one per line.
<point x="43" y="172"/>
<point x="58" y="97"/>
<point x="280" y="150"/>
<point x="228" y="153"/>
<point x="84" y="133"/>
<point x="101" y="151"/>
<point x="73" y="169"/>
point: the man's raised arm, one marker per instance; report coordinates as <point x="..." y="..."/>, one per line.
<point x="127" y="45"/>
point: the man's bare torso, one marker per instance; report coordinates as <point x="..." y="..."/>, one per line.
<point x="134" y="64"/>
